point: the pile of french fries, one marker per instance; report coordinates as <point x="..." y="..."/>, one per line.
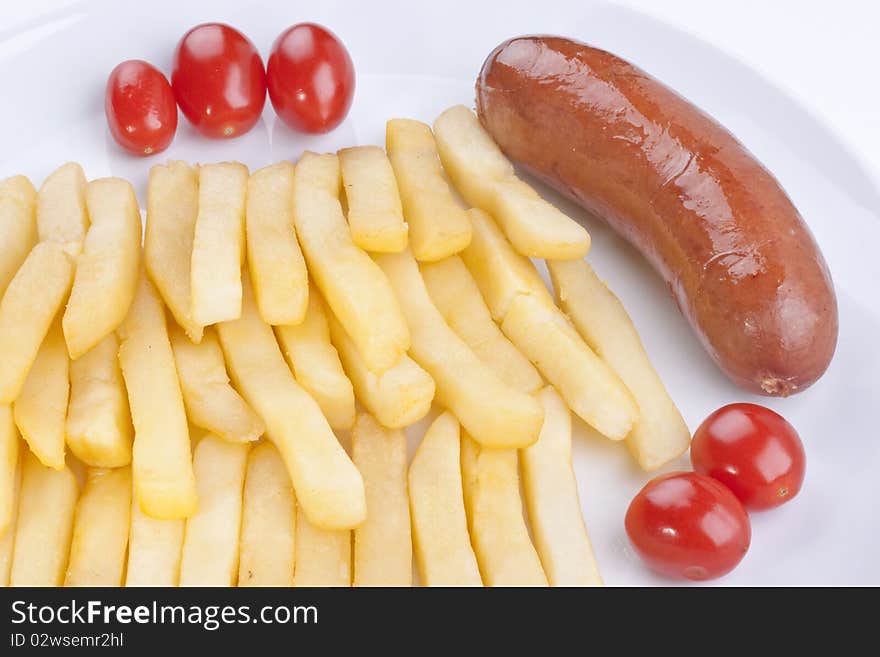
<point x="171" y="414"/>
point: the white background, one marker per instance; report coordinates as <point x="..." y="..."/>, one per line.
<point x="797" y="82"/>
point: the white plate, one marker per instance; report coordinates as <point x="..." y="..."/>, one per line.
<point x="416" y="59"/>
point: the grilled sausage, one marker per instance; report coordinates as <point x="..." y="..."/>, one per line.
<point x="736" y="254"/>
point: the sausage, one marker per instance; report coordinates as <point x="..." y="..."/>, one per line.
<point x="734" y="251"/>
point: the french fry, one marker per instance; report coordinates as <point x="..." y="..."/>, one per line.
<point x="18" y="225"/>
<point x="100" y="529"/>
<point x="10" y="496"/>
<point x="353" y="286"/>
<point x="383" y="544"/>
<point x="486" y="179"/>
<point x="523" y="306"/>
<point x="154" y="548"/>
<point x="551" y="497"/>
<point x="268" y="521"/>
<point x="172" y="207"/>
<point x="495" y="517"/>
<point x="661" y="434"/>
<point x="444" y="555"/>
<point x="315" y="363"/>
<point x="107" y="269"/>
<point x="9" y="443"/>
<point x="99" y="429"/>
<point x="438" y="226"/>
<point x="62" y="216"/>
<point x="375" y="213"/>
<point x="164" y="484"/>
<point x="328" y="486"/>
<point x="590" y="388"/>
<point x="211" y="403"/>
<point x="496" y="413"/>
<point x="457" y="297"/>
<point x="27" y="309"/>
<point x="44" y="526"/>
<point x="218" y="243"/>
<point x="41" y="408"/>
<point x="500" y="272"/>
<point x="398" y="397"/>
<point x="278" y="271"/>
<point x="210" y="543"/>
<point x="323" y="556"/>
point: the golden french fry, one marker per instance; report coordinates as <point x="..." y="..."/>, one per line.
<point x="523" y="306"/>
<point x="590" y="388"/>
<point x="45" y="524"/>
<point x="323" y="556"/>
<point x="457" y="297"/>
<point x="660" y="434"/>
<point x="154" y="548"/>
<point x="495" y="517"/>
<point x="41" y="408"/>
<point x="278" y="271"/>
<point x="172" y="207"/>
<point x="383" y="544"/>
<point x="9" y="442"/>
<point x="9" y="496"/>
<point x="268" y="521"/>
<point x="486" y="179"/>
<point x="107" y="269"/>
<point x="328" y="486"/>
<point x="218" y="243"/>
<point x="27" y="309"/>
<point x="100" y="529"/>
<point x="353" y="286"/>
<point x="496" y="413"/>
<point x="501" y="273"/>
<point x="315" y="363"/>
<point x="439" y="525"/>
<point x="552" y="500"/>
<point x="99" y="429"/>
<point x="18" y="225"/>
<point x="164" y="484"/>
<point x="210" y="543"/>
<point x="398" y="397"/>
<point x="211" y="403"/>
<point x="438" y="226"/>
<point x="375" y="213"/>
<point x="62" y="216"/>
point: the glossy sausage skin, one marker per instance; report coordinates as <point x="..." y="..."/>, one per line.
<point x="736" y="254"/>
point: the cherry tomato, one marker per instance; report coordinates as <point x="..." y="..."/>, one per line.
<point x="753" y="451"/>
<point x="219" y="80"/>
<point x="688" y="525"/>
<point x="140" y="108"/>
<point x="311" y="78"/>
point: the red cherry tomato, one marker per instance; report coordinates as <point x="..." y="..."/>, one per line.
<point x="688" y="525"/>
<point x="753" y="451"/>
<point x="140" y="108"/>
<point x="219" y="80"/>
<point x="311" y="78"/>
